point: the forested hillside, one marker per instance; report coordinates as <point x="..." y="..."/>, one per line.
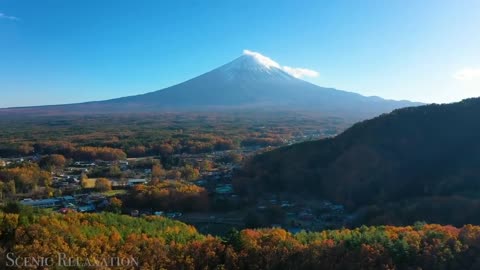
<point x="159" y="243"/>
<point x="419" y="163"/>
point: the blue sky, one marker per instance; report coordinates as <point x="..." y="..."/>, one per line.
<point x="60" y="51"/>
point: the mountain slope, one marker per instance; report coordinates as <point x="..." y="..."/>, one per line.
<point x="414" y="163"/>
<point x="245" y="83"/>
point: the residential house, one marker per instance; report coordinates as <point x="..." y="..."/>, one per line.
<point x="134" y="182"/>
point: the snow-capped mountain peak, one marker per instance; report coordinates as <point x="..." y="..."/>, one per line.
<point x="256" y="62"/>
<point x="254" y="66"/>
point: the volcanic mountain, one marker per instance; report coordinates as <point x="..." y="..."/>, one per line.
<point x="247" y="83"/>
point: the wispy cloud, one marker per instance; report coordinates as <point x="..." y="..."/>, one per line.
<point x="295" y="72"/>
<point x="300" y="72"/>
<point x="8" y="17"/>
<point x="466" y="74"/>
<point x="267" y="61"/>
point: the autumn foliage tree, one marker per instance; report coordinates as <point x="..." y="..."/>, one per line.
<point x="158" y="173"/>
<point x="52" y="162"/>
<point x="26" y="177"/>
<point x="103" y="184"/>
<point x="115" y="205"/>
<point x="169" y="195"/>
<point x="190" y="173"/>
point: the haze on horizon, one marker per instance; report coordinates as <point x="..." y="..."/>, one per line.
<point x="59" y="52"/>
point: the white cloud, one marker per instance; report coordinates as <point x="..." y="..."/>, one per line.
<point x="467" y="74"/>
<point x="262" y="59"/>
<point x="268" y="62"/>
<point x="7" y="17"/>
<point x="300" y="72"/>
